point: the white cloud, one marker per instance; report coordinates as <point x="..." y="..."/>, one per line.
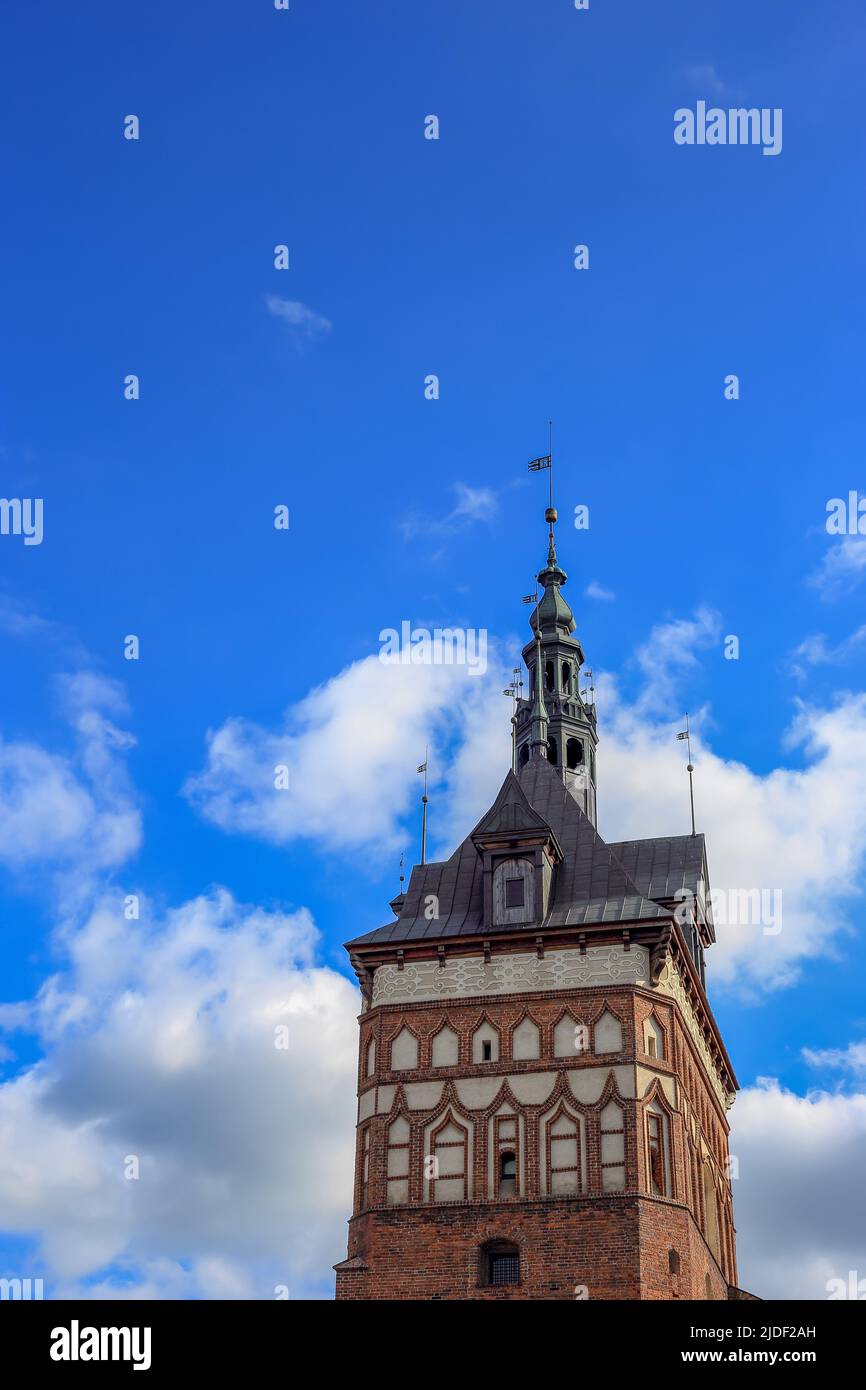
<point x="842" y="568"/>
<point x="298" y="316"/>
<point x="473" y="504"/>
<point x="800" y="830"/>
<point x="352" y="747"/>
<point x="76" y="811"/>
<point x="799" y="1201"/>
<point x="851" y="1058"/>
<point x="595" y="590"/>
<point x="159" y="1042"/>
<point x="704" y="77"/>
<point x="817" y="651"/>
<point x="20" y="620"/>
<point x="671" y="649"/>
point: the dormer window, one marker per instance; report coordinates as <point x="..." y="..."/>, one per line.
<point x="514" y="896"/>
<point x="513" y="892"/>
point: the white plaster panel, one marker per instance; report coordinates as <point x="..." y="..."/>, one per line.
<point x="525" y="1041"/>
<point x="385" y="1099"/>
<point x="367" y="1105"/>
<point x="423" y="1095"/>
<point x="588" y="1083"/>
<point x="404" y="1051"/>
<point x="607" y="1034"/>
<point x="477" y="1092"/>
<point x="646" y="1077"/>
<point x="532" y="1088"/>
<point x="446" y="1048"/>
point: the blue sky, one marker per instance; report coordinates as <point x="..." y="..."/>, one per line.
<point x="412" y="256"/>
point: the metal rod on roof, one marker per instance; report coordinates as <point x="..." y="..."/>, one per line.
<point x="686" y="734"/>
<point x="423" y="768"/>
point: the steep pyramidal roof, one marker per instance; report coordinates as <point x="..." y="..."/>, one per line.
<point x="591" y="884"/>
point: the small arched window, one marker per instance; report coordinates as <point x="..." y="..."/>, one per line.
<point x="552" y="753"/>
<point x="524" y="755"/>
<point x="507" y="1173"/>
<point x="549" y="675"/>
<point x="500" y="1263"/>
<point x="566" y="678"/>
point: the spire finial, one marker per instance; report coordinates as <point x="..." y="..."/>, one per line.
<point x="550" y="516"/>
<point x="545" y="463"/>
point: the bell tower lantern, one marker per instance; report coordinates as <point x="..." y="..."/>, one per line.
<point x="554" y="659"/>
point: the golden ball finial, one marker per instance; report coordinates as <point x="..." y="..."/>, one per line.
<point x="551" y="515"/>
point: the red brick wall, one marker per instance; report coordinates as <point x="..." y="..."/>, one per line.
<point x="616" y="1245"/>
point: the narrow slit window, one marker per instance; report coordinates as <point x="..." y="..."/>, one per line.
<point x="507" y="1174"/>
<point x="655" y="1133"/>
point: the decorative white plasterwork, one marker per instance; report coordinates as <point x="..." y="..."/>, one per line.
<point x="469" y="976"/>
<point x="670" y="982"/>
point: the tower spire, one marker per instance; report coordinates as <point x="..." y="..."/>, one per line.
<point x="556" y="722"/>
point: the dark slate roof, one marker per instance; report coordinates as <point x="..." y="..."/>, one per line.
<point x="591" y="884"/>
<point x="663" y="866"/>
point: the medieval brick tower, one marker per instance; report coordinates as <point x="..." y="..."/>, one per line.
<point x="542" y="1088"/>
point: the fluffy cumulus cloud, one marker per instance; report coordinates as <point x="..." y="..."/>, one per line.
<point x="799" y="1198"/>
<point x="842" y="567"/>
<point x="351" y="749"/>
<point x="73" y="811"/>
<point x="795" y="835"/>
<point x="163" y="1042"/>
